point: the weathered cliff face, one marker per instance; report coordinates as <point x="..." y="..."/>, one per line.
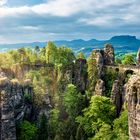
<point x="138" y="57"/>
<point x="45" y="108"/>
<point x="97" y="68"/>
<point x="20" y="70"/>
<point x="65" y="76"/>
<point x="98" y="57"/>
<point x="13" y="106"/>
<point x="100" y="88"/>
<point x="103" y="57"/>
<point x="5" y="72"/>
<point x="7" y="120"/>
<point x="76" y="73"/>
<point x="109" y="56"/>
<point x="132" y="92"/>
<point x="117" y="95"/>
<point x="80" y="75"/>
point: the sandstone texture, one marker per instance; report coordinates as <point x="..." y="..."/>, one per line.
<point x="109" y="57"/>
<point x="13" y="106"/>
<point x="117" y="95"/>
<point x="100" y="87"/>
<point x="80" y="74"/>
<point x="132" y="92"/>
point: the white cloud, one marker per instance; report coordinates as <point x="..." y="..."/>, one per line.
<point x="7" y="12"/>
<point x="97" y="21"/>
<point x="2" y="2"/>
<point x="101" y="12"/>
<point x="65" y="17"/>
<point x="33" y="28"/>
<point x="64" y="8"/>
<point x="59" y="7"/>
<point x="55" y="8"/>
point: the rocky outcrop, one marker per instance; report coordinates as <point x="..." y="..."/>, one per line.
<point x="117" y="95"/>
<point x="80" y="74"/>
<point x="8" y="126"/>
<point x="6" y="72"/>
<point x="109" y="57"/>
<point x="132" y="92"/>
<point x="45" y="108"/>
<point x="100" y="88"/>
<point x="64" y="77"/>
<point x="97" y="62"/>
<point x="103" y="57"/>
<point x="138" y="57"/>
<point x="20" y="70"/>
<point x="97" y="55"/>
<point x="13" y="106"/>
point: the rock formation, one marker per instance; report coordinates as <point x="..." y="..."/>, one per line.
<point x="138" y="57"/>
<point x="97" y="55"/>
<point x="109" y="56"/>
<point x="132" y="91"/>
<point x="80" y="74"/>
<point x="65" y="76"/>
<point x="8" y="128"/>
<point x="100" y="87"/>
<point x="117" y="95"/>
<point x="13" y="107"/>
<point x="104" y="57"/>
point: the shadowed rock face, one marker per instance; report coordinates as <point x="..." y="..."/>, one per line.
<point x="80" y="74"/>
<point x="12" y="107"/>
<point x="117" y="95"/>
<point x="132" y="92"/>
<point x="97" y="55"/>
<point x="8" y="128"/>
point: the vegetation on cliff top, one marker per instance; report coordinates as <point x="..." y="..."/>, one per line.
<point x="74" y="115"/>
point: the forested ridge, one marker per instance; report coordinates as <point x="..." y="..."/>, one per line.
<point x="71" y="97"/>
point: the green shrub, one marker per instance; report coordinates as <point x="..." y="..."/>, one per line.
<point x="28" y="131"/>
<point x="27" y="98"/>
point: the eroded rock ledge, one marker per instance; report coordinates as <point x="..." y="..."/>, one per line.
<point x="132" y="91"/>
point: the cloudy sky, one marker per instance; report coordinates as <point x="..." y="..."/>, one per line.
<point x="42" y="20"/>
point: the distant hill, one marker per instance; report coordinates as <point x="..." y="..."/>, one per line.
<point x="122" y="43"/>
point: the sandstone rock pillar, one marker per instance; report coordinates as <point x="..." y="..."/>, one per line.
<point x="132" y="92"/>
<point x="7" y="121"/>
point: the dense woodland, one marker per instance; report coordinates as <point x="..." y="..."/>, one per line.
<point x="74" y="114"/>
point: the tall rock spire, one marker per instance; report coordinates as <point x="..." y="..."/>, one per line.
<point x="109" y="57"/>
<point x="138" y="57"/>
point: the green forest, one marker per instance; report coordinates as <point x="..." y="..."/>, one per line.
<point x="75" y="111"/>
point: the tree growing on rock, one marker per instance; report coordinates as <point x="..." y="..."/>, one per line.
<point x="51" y="53"/>
<point x="128" y="59"/>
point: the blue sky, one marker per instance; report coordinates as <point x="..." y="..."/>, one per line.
<point x="43" y="20"/>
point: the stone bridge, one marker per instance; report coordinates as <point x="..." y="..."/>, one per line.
<point x="130" y="69"/>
